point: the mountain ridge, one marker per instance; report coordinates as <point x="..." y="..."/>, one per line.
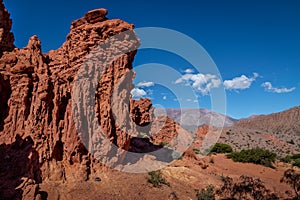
<point x="278" y="132"/>
<point x="191" y="118"/>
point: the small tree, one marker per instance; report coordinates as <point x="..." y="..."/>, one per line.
<point x="221" y="148"/>
<point x="243" y="189"/>
<point x="206" y="194"/>
<point x="292" y="178"/>
<point x="156" y="179"/>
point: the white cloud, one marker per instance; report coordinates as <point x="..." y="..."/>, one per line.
<point x="138" y="93"/>
<point x="269" y="87"/>
<point x="189" y="71"/>
<point x="200" y="82"/>
<point x="184" y="78"/>
<point x="240" y="83"/>
<point x="145" y="84"/>
<point x="164" y="97"/>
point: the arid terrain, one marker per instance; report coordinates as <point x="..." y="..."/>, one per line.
<point x="49" y="144"/>
<point x="278" y="132"/>
<point x="184" y="177"/>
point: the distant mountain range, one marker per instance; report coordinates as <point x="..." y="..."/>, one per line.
<point x="192" y="119"/>
<point x="286" y="122"/>
<point x="278" y="132"/>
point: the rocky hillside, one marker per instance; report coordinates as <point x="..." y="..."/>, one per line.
<point x="282" y="123"/>
<point x="278" y="132"/>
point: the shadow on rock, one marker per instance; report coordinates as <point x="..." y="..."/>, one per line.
<point x="19" y="169"/>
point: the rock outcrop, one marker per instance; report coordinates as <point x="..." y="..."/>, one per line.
<point x="42" y="131"/>
<point x="36" y="90"/>
<point x="6" y="37"/>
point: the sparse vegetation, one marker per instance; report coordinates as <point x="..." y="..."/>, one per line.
<point x="294" y="160"/>
<point x="156" y="179"/>
<point x="221" y="148"/>
<point x="197" y="151"/>
<point x="292" y="178"/>
<point x="165" y="144"/>
<point x="256" y="156"/>
<point x="206" y="194"/>
<point x="142" y="135"/>
<point x="291" y="142"/>
<point x="243" y="189"/>
<point x="173" y="196"/>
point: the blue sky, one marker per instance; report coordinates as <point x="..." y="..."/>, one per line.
<point x="255" y="45"/>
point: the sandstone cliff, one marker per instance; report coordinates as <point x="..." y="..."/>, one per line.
<point x="44" y="135"/>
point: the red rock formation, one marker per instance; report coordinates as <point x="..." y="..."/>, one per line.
<point x="36" y="89"/>
<point x="163" y="129"/>
<point x="166" y="131"/>
<point x="6" y="37"/>
<point x="37" y="92"/>
<point x="142" y="111"/>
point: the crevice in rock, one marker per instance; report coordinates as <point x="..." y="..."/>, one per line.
<point x="63" y="106"/>
<point x="50" y="102"/>
<point x="28" y="97"/>
<point x="58" y="151"/>
<point x="113" y="129"/>
<point x="5" y="93"/>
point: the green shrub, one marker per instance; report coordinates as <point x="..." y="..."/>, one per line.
<point x="295" y="156"/>
<point x="296" y="162"/>
<point x="197" y="151"/>
<point x="165" y="144"/>
<point x="221" y="148"/>
<point x="256" y="156"/>
<point x="206" y="194"/>
<point x="293" y="159"/>
<point x="156" y="179"/>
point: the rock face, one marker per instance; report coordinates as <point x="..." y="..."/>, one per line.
<point x="142" y="111"/>
<point x="36" y="104"/>
<point x="41" y="134"/>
